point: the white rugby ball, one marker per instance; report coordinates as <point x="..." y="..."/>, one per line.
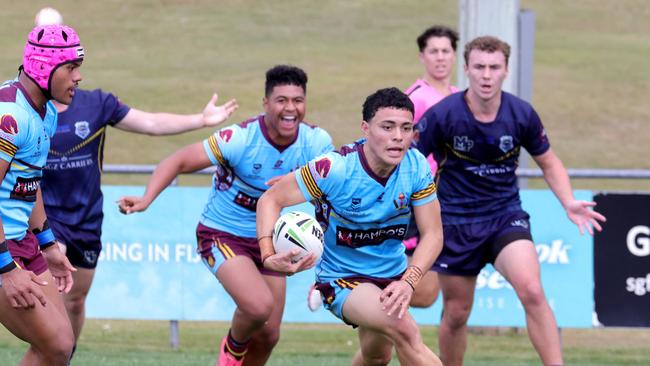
<point x="48" y="16"/>
<point x="298" y="230"/>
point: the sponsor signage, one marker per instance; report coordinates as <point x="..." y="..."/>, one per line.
<point x="149" y="268"/>
<point x="622" y="261"/>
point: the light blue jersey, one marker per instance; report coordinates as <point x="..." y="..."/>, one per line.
<point x="246" y="158"/>
<point x="25" y="133"/>
<point x="365" y="217"/>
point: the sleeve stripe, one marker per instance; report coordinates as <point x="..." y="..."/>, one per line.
<point x="310" y="183"/>
<point x="214" y="147"/>
<point x="428" y="191"/>
<point x="8" y="148"/>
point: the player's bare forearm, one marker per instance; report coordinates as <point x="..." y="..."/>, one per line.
<point x="556" y="176"/>
<point x="429" y="223"/>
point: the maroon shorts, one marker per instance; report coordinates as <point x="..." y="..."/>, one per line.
<point x="27" y="253"/>
<point x="216" y="247"/>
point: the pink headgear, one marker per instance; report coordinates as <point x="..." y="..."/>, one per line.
<point x="48" y="47"/>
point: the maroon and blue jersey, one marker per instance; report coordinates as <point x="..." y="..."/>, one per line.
<point x="477" y="160"/>
<point x="25" y="131"/>
<point x="71" y="180"/>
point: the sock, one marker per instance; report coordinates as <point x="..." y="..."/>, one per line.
<point x="235" y="348"/>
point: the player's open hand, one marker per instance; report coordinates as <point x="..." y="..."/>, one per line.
<point x="396" y="297"/>
<point x="60" y="268"/>
<point x="130" y="204"/>
<point x="282" y="262"/>
<point x="22" y="288"/>
<point x="582" y="214"/>
<point x="214" y="115"/>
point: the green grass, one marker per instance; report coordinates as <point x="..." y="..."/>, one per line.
<point x="590" y="75"/>
<point x="591" y="87"/>
<point x="112" y="342"/>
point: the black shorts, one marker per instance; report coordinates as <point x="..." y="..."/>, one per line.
<point x="469" y="247"/>
<point x="82" y="246"/>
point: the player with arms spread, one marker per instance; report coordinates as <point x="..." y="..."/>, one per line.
<point x="247" y="156"/>
<point x="364" y="194"/>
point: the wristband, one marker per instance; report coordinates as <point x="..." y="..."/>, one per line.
<point x="412" y="275"/>
<point x="6" y="261"/>
<point x="266" y="250"/>
<point x="45" y="238"/>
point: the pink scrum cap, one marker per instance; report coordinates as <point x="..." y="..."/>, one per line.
<point x="48" y="47"/>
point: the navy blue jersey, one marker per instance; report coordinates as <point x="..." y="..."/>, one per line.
<point x="71" y="181"/>
<point x="476" y="160"/>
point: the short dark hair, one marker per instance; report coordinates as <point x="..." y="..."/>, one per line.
<point x="386" y="98"/>
<point x="437" y="31"/>
<point x="488" y="44"/>
<point x="285" y="75"/>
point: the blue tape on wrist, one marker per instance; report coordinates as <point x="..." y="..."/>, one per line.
<point x="45" y="237"/>
<point x="5" y="259"/>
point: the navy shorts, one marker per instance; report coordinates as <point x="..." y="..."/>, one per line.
<point x="216" y="247"/>
<point x="469" y="247"/>
<point x="82" y="246"/>
<point x="27" y="253"/>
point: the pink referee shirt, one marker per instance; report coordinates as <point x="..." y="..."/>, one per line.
<point x="423" y="97"/>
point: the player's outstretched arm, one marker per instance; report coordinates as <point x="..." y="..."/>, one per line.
<point x="168" y="123"/>
<point x="579" y="212"/>
<point x="186" y="160"/>
<point x="283" y="193"/>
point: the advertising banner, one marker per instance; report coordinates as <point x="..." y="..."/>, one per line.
<point x="149" y="269"/>
<point x="622" y="261"/>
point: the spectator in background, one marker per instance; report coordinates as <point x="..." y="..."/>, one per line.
<point x="437" y="46"/>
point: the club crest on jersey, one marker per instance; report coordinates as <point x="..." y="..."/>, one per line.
<point x="505" y="143"/>
<point x="225" y="135"/>
<point x="82" y="129"/>
<point x="256" y="168"/>
<point x="9" y="126"/>
<point x="401" y="202"/>
<point x="323" y="167"/>
<point x="463" y="143"/>
<point x="356" y="204"/>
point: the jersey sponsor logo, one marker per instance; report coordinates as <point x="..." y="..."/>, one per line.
<point x="246" y="201"/>
<point x="506" y="144"/>
<point x="381" y="197"/>
<point x="323" y="167"/>
<point x="486" y="170"/>
<point x="361" y="238"/>
<point x="462" y="143"/>
<point x="8" y="124"/>
<point x="25" y="189"/>
<point x="401" y="202"/>
<point x="82" y="129"/>
<point x="278" y="164"/>
<point x="225" y="135"/>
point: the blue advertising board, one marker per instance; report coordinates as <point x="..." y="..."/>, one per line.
<point x="149" y="269"/>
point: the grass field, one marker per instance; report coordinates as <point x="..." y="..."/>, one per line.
<point x="590" y="75"/>
<point x="591" y="87"/>
<point x="123" y="343"/>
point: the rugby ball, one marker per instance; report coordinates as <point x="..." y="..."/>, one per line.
<point x="298" y="230"/>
